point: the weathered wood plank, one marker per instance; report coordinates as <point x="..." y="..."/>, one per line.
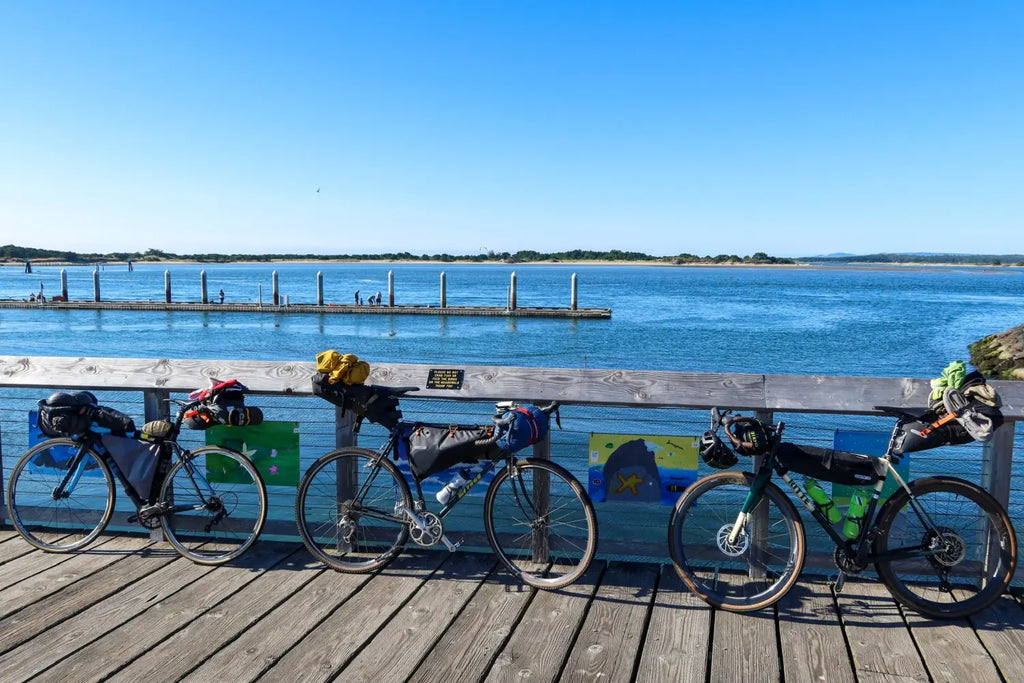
<point x="813" y="647"/>
<point x="159" y="621"/>
<point x="61" y="576"/>
<point x="609" y="644"/>
<point x="216" y="628"/>
<point x="644" y="388"/>
<point x="50" y="643"/>
<point x="396" y="651"/>
<point x="35" y="562"/>
<point x="266" y="641"/>
<point x="332" y="644"/>
<point x="745" y="647"/>
<point x="881" y="646"/>
<point x="1001" y="629"/>
<point x="611" y="387"/>
<point x="13" y="547"/>
<point x="557" y="616"/>
<point x="951" y="649"/>
<point x="678" y="634"/>
<point x="472" y="642"/>
<point x="56" y="607"/>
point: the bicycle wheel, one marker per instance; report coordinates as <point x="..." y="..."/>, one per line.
<point x="540" y="523"/>
<point x="349" y="510"/>
<point x="971" y="546"/>
<point x="216" y="504"/>
<point x="64" y="522"/>
<point x="756" y="570"/>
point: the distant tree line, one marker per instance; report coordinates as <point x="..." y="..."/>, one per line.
<point x="964" y="259"/>
<point x="11" y="252"/>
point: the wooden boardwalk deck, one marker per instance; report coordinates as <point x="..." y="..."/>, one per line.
<point x="128" y="610"/>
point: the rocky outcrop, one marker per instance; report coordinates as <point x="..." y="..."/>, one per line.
<point x="1001" y="355"/>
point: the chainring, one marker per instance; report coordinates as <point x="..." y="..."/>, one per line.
<point x="429" y="536"/>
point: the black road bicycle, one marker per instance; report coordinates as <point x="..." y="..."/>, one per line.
<point x="210" y="502"/>
<point x="355" y="510"/>
<point x="942" y="546"/>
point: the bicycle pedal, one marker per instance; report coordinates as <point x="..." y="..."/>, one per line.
<point x="452" y="547"/>
<point x="838" y="583"/>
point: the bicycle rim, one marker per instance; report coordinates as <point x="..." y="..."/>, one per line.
<point x="217" y="505"/>
<point x="971" y="549"/>
<point x="74" y="519"/>
<point x="349" y="510"/>
<point x="754" y="571"/>
<point x="540" y="523"/>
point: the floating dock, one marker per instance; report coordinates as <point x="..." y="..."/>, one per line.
<point x="351" y="309"/>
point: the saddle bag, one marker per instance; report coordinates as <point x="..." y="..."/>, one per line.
<point x="433" y="448"/>
<point x="827" y="464"/>
<point x="369" y="402"/>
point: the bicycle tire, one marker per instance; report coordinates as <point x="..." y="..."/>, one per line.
<point x="966" y="516"/>
<point x="219" y="523"/>
<point x="71" y="522"/>
<point x="353" y="534"/>
<point x="517" y="534"/>
<point x="729" y="577"/>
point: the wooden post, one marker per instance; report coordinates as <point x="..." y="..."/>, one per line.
<point x="96" y="284"/>
<point x="391" y="288"/>
<point x="155" y="407"/>
<point x="573" y="299"/>
<point x="996" y="468"/>
<point x="512" y="292"/>
<point x="167" y="286"/>
<point x="758" y="525"/>
<point x="259" y="293"/>
<point x="319" y="288"/>
<point x="64" y="284"/>
<point x="277" y="294"/>
<point x="540" y="543"/>
<point x="346" y="479"/>
<point x="202" y="288"/>
<point x="444" y="293"/>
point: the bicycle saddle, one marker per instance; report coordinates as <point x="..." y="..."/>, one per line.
<point x="908" y="413"/>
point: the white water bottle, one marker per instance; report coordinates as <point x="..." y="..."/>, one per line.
<point x="445" y="495"/>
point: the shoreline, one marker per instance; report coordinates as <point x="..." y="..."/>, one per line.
<point x="657" y="264"/>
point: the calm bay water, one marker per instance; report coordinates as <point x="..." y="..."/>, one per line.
<point x="885" y="322"/>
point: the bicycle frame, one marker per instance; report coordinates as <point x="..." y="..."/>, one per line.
<point x="859" y="548"/>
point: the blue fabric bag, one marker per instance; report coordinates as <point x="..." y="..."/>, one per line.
<point x="529" y="425"/>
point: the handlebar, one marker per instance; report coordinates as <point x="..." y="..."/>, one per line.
<point x="500" y="422"/>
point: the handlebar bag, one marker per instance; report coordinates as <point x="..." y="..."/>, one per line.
<point x="224" y="404"/>
<point x="827" y="464"/>
<point x="136" y="459"/>
<point x="367" y="401"/>
<point x="433" y="448"/>
<point x="528" y="426"/>
<point x="64" y="414"/>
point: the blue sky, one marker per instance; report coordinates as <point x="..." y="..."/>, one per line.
<point x="793" y="128"/>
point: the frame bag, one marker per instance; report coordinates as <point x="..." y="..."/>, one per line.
<point x="826" y="464"/>
<point x="434" y="448"/>
<point x="136" y="459"/>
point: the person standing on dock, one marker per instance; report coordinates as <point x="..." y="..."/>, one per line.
<point x="222" y="296"/>
<point x="357" y="297"/>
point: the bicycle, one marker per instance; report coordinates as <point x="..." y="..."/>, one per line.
<point x="943" y="546"/>
<point x="355" y="510"/>
<point x="211" y="502"/>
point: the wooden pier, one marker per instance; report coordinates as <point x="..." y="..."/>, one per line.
<point x="477" y="311"/>
<point x="130" y="610"/>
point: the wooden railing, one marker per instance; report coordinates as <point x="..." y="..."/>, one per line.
<point x="634" y="390"/>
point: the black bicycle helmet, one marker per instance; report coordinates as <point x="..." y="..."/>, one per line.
<point x="715" y="453"/>
<point x="750" y="437"/>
